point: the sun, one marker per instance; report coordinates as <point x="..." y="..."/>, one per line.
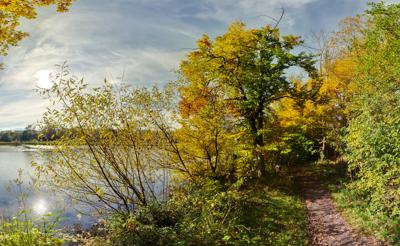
<point x="43" y="79"/>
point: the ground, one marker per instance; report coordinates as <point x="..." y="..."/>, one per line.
<point x="326" y="226"/>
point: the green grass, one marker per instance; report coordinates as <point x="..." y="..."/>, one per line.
<point x="368" y="220"/>
<point x="251" y="215"/>
<point x="16" y="232"/>
<point x="280" y="217"/>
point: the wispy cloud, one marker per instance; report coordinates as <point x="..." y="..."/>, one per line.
<point x="142" y="39"/>
<point x="20" y="112"/>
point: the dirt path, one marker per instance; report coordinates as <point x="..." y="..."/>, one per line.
<point x="326" y="225"/>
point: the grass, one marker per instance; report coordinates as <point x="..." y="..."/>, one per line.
<point x="356" y="211"/>
<point x="358" y="214"/>
<point x="273" y="214"/>
<point x="367" y="219"/>
<point x="256" y="215"/>
<point x="280" y="217"/>
<point x="15" y="232"/>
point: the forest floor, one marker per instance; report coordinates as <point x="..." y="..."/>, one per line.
<point x="326" y="226"/>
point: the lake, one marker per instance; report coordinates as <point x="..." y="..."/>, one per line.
<point x="14" y="158"/>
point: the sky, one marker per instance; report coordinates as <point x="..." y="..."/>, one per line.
<point x="141" y="40"/>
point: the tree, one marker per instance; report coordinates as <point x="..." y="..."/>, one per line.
<point x="207" y="134"/>
<point x="323" y="116"/>
<point x="117" y="144"/>
<point x="6" y="136"/>
<point x="373" y="134"/>
<point x="250" y="66"/>
<point x="29" y="134"/>
<point x="11" y="13"/>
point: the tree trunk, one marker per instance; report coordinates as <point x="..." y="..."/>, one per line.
<point x="256" y="124"/>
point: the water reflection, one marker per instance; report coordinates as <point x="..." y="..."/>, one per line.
<point x="13" y="188"/>
<point x="40" y="207"/>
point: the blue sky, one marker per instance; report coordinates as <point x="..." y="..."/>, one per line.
<point x="142" y="39"/>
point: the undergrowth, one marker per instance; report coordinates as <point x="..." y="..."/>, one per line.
<point x="356" y="209"/>
<point x="214" y="214"/>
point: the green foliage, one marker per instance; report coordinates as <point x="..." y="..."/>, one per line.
<point x="373" y="134"/>
<point x="25" y="227"/>
<point x="371" y="219"/>
<point x="237" y="114"/>
<point x="17" y="232"/>
<point x="115" y="142"/>
<point x="27" y="135"/>
<point x="215" y="214"/>
<point x="249" y="67"/>
<point x="289" y="146"/>
<point x="374" y="130"/>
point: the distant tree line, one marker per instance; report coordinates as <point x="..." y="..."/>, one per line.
<point x="29" y="134"/>
<point x="26" y="135"/>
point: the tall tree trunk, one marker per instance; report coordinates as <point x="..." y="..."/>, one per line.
<point x="256" y="124"/>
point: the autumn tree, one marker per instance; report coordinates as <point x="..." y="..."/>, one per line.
<point x="11" y="13"/>
<point x="323" y="116"/>
<point x="373" y="134"/>
<point x="207" y="134"/>
<point x="107" y="155"/>
<point x="115" y="145"/>
<point x="250" y="65"/>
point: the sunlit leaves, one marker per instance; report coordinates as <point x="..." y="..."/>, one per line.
<point x="11" y="12"/>
<point x="110" y="151"/>
<point x="374" y="132"/>
<point x="248" y="69"/>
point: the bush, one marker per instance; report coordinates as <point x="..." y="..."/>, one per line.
<point x="373" y="136"/>
<point x="16" y="232"/>
<point x="369" y="218"/>
<point x="214" y="214"/>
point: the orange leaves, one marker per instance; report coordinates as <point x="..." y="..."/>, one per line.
<point x="204" y="42"/>
<point x="192" y="102"/>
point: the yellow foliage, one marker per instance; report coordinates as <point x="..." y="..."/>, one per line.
<point x="326" y="113"/>
<point x="11" y="11"/>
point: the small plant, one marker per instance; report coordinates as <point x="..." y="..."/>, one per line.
<point x="25" y="227"/>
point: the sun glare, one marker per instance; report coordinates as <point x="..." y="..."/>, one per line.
<point x="43" y="79"/>
<point x="40" y="207"/>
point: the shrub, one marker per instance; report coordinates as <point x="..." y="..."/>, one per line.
<point x="16" y="232"/>
<point x="211" y="213"/>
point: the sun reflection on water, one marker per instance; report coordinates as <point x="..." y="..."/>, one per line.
<point x="40" y="207"/>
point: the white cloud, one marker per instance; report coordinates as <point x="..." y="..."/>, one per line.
<point x="22" y="112"/>
<point x="142" y="39"/>
<point x="254" y="12"/>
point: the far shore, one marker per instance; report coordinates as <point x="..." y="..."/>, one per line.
<point x="35" y="143"/>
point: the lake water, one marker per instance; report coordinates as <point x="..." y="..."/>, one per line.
<point x="14" y="158"/>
